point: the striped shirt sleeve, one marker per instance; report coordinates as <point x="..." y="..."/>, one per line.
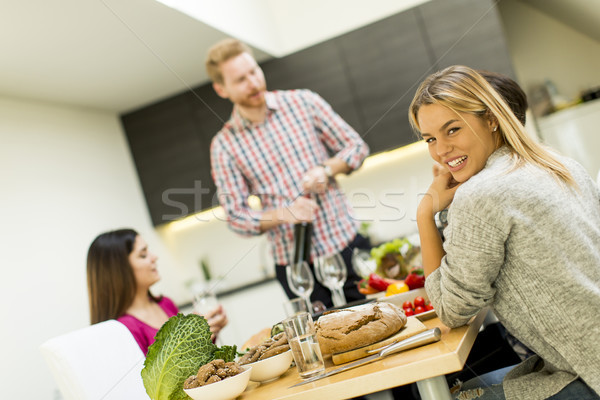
<point x="233" y="192"/>
<point x="339" y="137"/>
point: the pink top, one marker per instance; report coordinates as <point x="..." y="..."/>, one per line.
<point x="143" y="333"/>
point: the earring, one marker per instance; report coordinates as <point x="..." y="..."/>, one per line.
<point x="495" y="129"/>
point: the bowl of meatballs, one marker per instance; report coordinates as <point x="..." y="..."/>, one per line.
<point x="269" y="360"/>
<point x="218" y="380"/>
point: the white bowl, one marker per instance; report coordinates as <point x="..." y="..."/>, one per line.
<point x="271" y="368"/>
<point x="400" y="298"/>
<point x="227" y="389"/>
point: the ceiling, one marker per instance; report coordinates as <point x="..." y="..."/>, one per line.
<point x="115" y="55"/>
<point x="580" y="15"/>
<point x="118" y="55"/>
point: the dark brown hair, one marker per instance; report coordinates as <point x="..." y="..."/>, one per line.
<point x="510" y="91"/>
<point x="110" y="278"/>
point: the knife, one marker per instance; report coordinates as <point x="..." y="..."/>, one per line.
<point x="423" y="338"/>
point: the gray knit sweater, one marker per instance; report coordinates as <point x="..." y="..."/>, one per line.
<point x="529" y="247"/>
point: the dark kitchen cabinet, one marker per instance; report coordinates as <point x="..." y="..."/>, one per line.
<point x="467" y="32"/>
<point x="385" y="60"/>
<point x="169" y="142"/>
<point x="369" y="77"/>
<point x="319" y="68"/>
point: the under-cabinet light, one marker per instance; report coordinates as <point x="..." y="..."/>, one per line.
<point x="372" y="162"/>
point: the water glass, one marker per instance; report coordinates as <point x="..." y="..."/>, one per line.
<point x="295" y="306"/>
<point x="204" y="302"/>
<point x="302" y="337"/>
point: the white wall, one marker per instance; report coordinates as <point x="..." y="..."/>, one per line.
<point x="65" y="176"/>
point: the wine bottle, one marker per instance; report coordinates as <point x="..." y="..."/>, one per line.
<point x="302" y="241"/>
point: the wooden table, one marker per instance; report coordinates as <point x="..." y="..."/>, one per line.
<point x="426" y="365"/>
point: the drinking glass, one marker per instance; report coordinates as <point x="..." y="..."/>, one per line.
<point x="301" y="281"/>
<point x="331" y="272"/>
<point x="295" y="306"/>
<point x="302" y="337"/>
<point x="362" y="263"/>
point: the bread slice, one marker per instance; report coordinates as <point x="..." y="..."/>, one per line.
<point x="350" y="328"/>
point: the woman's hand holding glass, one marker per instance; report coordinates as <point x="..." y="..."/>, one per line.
<point x="206" y="305"/>
<point x="217" y="319"/>
<point x="331" y="272"/>
<point x="301" y="281"/>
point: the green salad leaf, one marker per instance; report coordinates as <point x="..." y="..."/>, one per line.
<point x="396" y="246"/>
<point x="227" y="353"/>
<point x="181" y="347"/>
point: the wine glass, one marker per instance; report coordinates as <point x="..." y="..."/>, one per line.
<point x="362" y="263"/>
<point x="301" y="281"/>
<point x="331" y="272"/>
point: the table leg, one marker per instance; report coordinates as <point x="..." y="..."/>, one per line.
<point x="435" y="388"/>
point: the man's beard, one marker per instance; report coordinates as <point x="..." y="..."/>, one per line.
<point x="251" y="102"/>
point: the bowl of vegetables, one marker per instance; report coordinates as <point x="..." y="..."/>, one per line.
<point x="414" y="303"/>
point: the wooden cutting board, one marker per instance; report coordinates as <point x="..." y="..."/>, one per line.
<point x="412" y="327"/>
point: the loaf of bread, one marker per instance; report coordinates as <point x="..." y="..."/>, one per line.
<point x="351" y="328"/>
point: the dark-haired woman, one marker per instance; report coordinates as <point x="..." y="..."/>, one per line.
<point x="120" y="271"/>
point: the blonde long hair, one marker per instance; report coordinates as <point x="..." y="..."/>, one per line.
<point x="463" y="89"/>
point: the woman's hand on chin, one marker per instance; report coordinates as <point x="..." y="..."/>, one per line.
<point x="440" y="193"/>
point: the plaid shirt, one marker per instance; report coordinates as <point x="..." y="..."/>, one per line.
<point x="269" y="160"/>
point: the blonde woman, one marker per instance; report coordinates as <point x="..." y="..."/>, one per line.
<point x="523" y="238"/>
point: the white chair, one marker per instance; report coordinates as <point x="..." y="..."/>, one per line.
<point x="102" y="361"/>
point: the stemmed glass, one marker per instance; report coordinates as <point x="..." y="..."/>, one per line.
<point x="331" y="272"/>
<point x="362" y="262"/>
<point x="301" y="281"/>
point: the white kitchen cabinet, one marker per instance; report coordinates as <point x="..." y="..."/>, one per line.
<point x="575" y="132"/>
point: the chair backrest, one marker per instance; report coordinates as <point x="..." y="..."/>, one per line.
<point x="99" y="362"/>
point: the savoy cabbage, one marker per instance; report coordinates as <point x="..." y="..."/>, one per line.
<point x="182" y="345"/>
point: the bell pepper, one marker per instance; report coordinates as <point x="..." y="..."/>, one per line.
<point x="396" y="288"/>
<point x="365" y="288"/>
<point x="416" y="279"/>
<point x="377" y="282"/>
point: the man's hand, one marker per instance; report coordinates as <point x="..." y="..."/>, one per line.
<point x="315" y="180"/>
<point x="301" y="210"/>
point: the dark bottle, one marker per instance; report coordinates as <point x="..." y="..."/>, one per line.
<point x="302" y="240"/>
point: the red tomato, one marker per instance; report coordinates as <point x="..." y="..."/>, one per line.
<point x="419" y="309"/>
<point x="409" y="312"/>
<point x="407" y="304"/>
<point x="428" y="307"/>
<point x="419" y="301"/>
